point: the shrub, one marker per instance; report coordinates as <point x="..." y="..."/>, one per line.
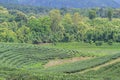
<point x="2" y="79"/>
<point x="98" y="43"/>
<point x="110" y="42"/>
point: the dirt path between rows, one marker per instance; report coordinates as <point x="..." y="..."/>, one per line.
<point x="63" y="61"/>
<point x="101" y="66"/>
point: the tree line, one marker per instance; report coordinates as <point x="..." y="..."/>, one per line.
<point x="37" y="10"/>
<point x="16" y="26"/>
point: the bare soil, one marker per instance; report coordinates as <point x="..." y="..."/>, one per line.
<point x="63" y="61"/>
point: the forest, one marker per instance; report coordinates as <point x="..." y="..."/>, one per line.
<point x="60" y="25"/>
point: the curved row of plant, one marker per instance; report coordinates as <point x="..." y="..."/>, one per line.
<point x="82" y="65"/>
<point x="25" y="55"/>
<point x="110" y="72"/>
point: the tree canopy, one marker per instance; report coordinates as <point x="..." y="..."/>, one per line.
<point x="16" y="26"/>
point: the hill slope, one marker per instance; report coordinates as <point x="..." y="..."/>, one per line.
<point x="26" y="62"/>
<point x="67" y="3"/>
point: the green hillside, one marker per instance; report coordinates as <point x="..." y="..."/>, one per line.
<point x="67" y="3"/>
<point x="19" y="60"/>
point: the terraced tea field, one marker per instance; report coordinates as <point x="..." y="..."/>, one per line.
<point x="83" y="65"/>
<point x="51" y="62"/>
<point x="23" y="55"/>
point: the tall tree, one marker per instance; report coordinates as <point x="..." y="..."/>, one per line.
<point x="69" y="28"/>
<point x="76" y="18"/>
<point x="56" y="25"/>
<point x="110" y="14"/>
<point x="23" y="34"/>
<point x="92" y="14"/>
<point x="55" y="17"/>
<point x="40" y="29"/>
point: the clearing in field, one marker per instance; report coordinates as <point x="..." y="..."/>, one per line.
<point x="63" y="61"/>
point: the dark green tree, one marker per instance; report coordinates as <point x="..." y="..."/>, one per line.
<point x="40" y="29"/>
<point x="92" y="14"/>
<point x="110" y="14"/>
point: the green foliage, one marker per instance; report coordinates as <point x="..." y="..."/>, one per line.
<point x="23" y="34"/>
<point x="110" y="14"/>
<point x="59" y="27"/>
<point x="92" y="14"/>
<point x="55" y="17"/>
<point x="7" y="35"/>
<point x="98" y="43"/>
<point x="20" y="17"/>
<point x="110" y="42"/>
<point x="56" y="26"/>
<point x="40" y="29"/>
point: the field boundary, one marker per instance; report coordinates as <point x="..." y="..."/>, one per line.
<point x="101" y="66"/>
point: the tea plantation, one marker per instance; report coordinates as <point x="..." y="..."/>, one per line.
<point x="26" y="62"/>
